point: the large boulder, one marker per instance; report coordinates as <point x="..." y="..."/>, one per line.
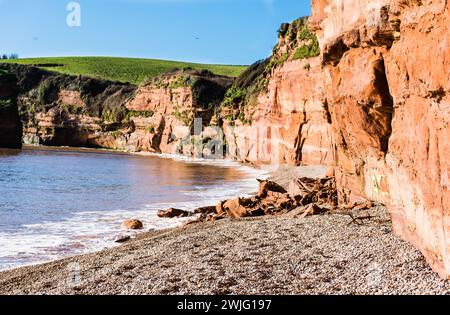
<point x="266" y="186"/>
<point x="205" y="210"/>
<point x="240" y="208"/>
<point x="132" y="224"/>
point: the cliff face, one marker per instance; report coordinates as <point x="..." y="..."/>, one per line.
<point x="374" y="105"/>
<point x="61" y="110"/>
<point x="283" y="115"/>
<point x="174" y="101"/>
<point x="386" y="66"/>
<point x="10" y="126"/>
<point x="288" y="123"/>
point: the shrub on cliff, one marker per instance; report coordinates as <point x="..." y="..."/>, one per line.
<point x="71" y="109"/>
<point x="251" y="82"/>
<point x="284" y="28"/>
<point x="252" y="74"/>
<point x="183" y="117"/>
<point x="45" y="92"/>
<point x="234" y="96"/>
<point x="141" y="114"/>
<point x="113" y="115"/>
<point x="310" y="48"/>
<point x="180" y="81"/>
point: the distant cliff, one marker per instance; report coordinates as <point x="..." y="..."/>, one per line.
<point x="63" y="110"/>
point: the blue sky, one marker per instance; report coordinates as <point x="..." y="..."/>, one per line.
<point x="206" y="31"/>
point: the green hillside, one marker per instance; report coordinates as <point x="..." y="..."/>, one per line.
<point x="131" y="70"/>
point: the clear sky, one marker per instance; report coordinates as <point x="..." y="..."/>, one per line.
<point x="206" y="31"/>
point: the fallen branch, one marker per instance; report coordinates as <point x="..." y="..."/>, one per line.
<point x="304" y="186"/>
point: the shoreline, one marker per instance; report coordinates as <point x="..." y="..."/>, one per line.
<point x="248" y="175"/>
<point x="321" y="254"/>
<point x="249" y="168"/>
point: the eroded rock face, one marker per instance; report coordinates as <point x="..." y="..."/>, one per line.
<point x="361" y="108"/>
<point x="175" y="100"/>
<point x="61" y="110"/>
<point x="290" y="122"/>
<point x="420" y="145"/>
<point x="374" y="104"/>
<point x="386" y="66"/>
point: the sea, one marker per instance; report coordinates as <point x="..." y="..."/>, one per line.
<point x="61" y="202"/>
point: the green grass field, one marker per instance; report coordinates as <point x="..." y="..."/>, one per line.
<point x="123" y="69"/>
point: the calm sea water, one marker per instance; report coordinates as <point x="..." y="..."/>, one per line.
<point x="57" y="203"/>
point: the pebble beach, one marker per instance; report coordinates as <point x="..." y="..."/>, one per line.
<point x="321" y="254"/>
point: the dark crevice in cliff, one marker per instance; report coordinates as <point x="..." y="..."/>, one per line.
<point x="437" y="95"/>
<point x="387" y="34"/>
<point x="333" y="53"/>
<point x="157" y="138"/>
<point x="208" y="93"/>
<point x="71" y="137"/>
<point x="387" y="103"/>
<point x="301" y="139"/>
<point x="327" y="111"/>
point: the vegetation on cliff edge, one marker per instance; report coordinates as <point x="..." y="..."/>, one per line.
<point x="296" y="41"/>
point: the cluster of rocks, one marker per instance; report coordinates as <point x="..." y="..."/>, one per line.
<point x="304" y="196"/>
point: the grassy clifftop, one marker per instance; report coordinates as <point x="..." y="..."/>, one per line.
<point x="121" y="69"/>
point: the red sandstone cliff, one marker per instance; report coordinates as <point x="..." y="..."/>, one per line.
<point x="175" y="100"/>
<point x="386" y="74"/>
<point x="158" y="116"/>
<point x="287" y="120"/>
<point x="374" y="104"/>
